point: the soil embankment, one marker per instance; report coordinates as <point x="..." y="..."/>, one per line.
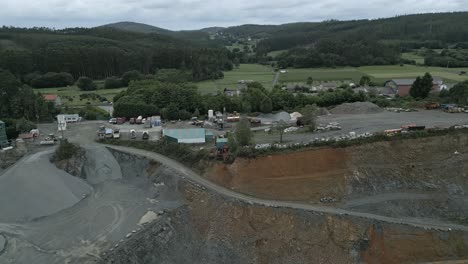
<point x="427" y="164"/>
<point x="298" y="176"/>
<point x="212" y="229"/>
<point x="417" y="177"/>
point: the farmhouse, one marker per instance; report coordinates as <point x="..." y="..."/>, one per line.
<point x="403" y="86"/>
<point x="229" y="92"/>
<point x="52" y="98"/>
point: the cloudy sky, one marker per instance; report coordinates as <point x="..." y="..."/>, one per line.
<point x="195" y="14"/>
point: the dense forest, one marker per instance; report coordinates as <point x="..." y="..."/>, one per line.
<point x="103" y="52"/>
<point x="447" y="58"/>
<point x="435" y="30"/>
<point x="331" y="53"/>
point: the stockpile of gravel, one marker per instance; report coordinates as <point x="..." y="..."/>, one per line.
<point x="269" y="118"/>
<point x="36" y="188"/>
<point x="356" y="108"/>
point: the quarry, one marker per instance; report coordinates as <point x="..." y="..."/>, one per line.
<point x="397" y="201"/>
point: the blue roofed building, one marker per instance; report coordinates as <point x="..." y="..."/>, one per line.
<point x="189" y="135"/>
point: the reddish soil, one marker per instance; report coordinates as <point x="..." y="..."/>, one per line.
<point x="306" y="176"/>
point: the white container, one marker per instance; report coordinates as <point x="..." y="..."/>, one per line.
<point x="210" y="114"/>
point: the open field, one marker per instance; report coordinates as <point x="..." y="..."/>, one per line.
<point x="74" y="92"/>
<point x="276" y="53"/>
<point x="413" y="56"/>
<point x="255" y="72"/>
<point x="378" y="73"/>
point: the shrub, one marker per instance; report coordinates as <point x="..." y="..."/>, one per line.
<point x="86" y="84"/>
<point x="65" y="150"/>
<point x="50" y="79"/>
<point x="113" y="82"/>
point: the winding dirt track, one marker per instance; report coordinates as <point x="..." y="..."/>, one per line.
<point x="184" y="171"/>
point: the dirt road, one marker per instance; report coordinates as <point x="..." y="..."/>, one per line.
<point x="191" y="175"/>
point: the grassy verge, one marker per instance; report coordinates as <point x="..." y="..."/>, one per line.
<point x="252" y="152"/>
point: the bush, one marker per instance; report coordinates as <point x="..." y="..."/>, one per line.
<point x="94" y="113"/>
<point x="65" y="150"/>
<point x="50" y="80"/>
<point x="131" y="76"/>
<point x="113" y="82"/>
<point x="180" y="152"/>
<point x="86" y="84"/>
<point x="24" y="126"/>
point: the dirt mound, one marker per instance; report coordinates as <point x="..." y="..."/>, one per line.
<point x="356" y="108"/>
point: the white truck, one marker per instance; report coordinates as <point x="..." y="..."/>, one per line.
<point x="116" y="133"/>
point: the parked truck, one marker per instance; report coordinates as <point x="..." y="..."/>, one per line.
<point x="139" y="120"/>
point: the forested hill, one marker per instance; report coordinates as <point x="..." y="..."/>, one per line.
<point x="198" y="37"/>
<point x="412" y="31"/>
<point x="137" y="27"/>
<point x="102" y="52"/>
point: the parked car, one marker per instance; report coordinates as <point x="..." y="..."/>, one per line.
<point x="132" y="121"/>
<point x="113" y="121"/>
<point x="133" y="134"/>
<point x="116" y="133"/>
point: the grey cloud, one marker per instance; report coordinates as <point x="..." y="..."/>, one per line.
<point x="193" y="14"/>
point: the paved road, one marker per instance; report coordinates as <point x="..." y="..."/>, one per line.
<point x="361" y="123"/>
<point x="183" y="171"/>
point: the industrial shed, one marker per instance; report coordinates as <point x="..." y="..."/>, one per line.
<point x="189" y="135"/>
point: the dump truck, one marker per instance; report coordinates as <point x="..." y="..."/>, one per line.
<point x="430" y="106"/>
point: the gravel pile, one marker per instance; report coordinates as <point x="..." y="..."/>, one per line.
<point x="356" y="108"/>
<point x="270" y="118"/>
<point x="36" y="188"/>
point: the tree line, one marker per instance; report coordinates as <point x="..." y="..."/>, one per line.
<point x="105" y="52"/>
<point x="331" y="53"/>
<point x="436" y="30"/>
<point x="182" y="101"/>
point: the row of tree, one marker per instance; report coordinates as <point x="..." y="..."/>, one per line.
<point x="181" y="101"/>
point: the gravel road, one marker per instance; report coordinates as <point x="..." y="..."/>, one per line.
<point x="372" y="123"/>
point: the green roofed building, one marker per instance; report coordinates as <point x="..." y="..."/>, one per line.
<point x="189" y="135"/>
<point x="3" y="136"/>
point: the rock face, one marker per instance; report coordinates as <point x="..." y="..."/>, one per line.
<point x="211" y="229"/>
<point x="415" y="177"/>
<point x="74" y="165"/>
